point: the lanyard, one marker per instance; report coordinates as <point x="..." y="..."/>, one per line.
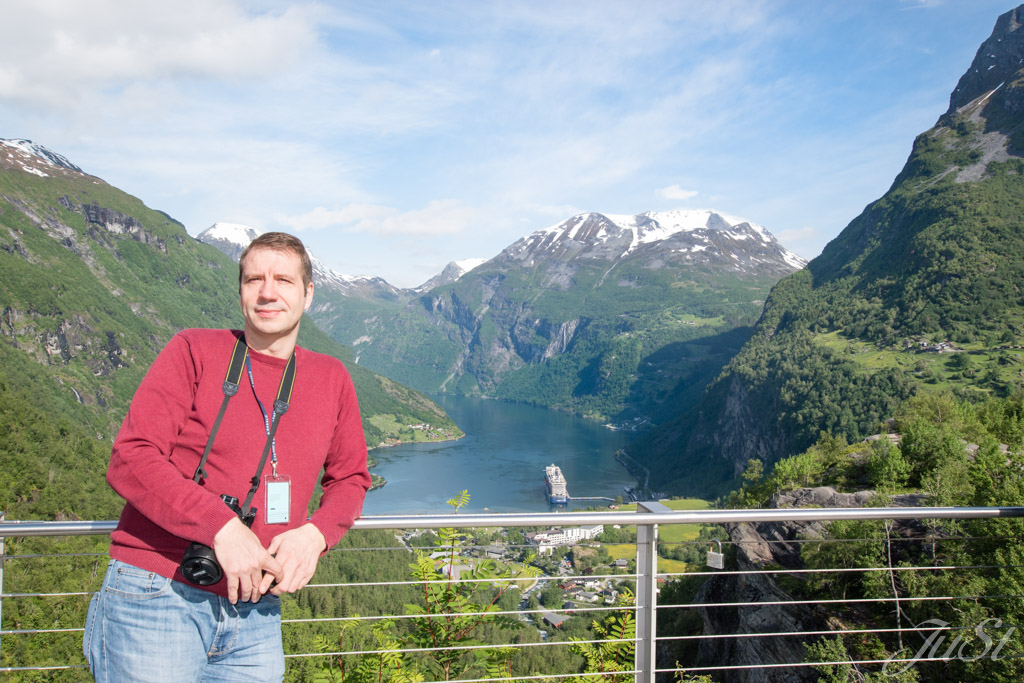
<point x="230" y="387"/>
<point x="284" y="395"/>
<point x="266" y="420"/>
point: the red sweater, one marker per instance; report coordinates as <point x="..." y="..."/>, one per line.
<point x="165" y="431"/>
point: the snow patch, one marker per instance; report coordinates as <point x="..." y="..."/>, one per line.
<point x="41" y="153"/>
<point x="35" y="171"/>
<point x="235" y="233"/>
<point x="793" y="260"/>
<point x="469" y="264"/>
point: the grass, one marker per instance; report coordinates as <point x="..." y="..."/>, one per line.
<point x="686" y="504"/>
<point x="628" y="552"/>
<point x="681" y="533"/>
<point x="668" y="533"/>
<point x="676" y="504"/>
<point x="621" y="551"/>
<point x="390" y="426"/>
<point x="667" y="566"/>
<point x="677" y="533"/>
<point x="936" y="371"/>
<point x="865" y="354"/>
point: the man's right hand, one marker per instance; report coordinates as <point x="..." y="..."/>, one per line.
<point x="244" y="560"/>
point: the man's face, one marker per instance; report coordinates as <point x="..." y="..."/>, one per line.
<point x="273" y="296"/>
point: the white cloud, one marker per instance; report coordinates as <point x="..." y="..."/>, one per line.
<point x="439" y="217"/>
<point x="677" y="193"/>
<point x="321" y="217"/>
<point x="808" y="232"/>
<point x="58" y="51"/>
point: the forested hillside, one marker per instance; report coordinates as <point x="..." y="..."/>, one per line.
<point x="921" y="291"/>
<point x="94" y="284"/>
<point x="938" y="451"/>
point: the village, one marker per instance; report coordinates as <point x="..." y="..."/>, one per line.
<point x="573" y="568"/>
<point x="412" y="433"/>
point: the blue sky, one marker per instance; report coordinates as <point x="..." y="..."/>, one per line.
<point x="394" y="137"/>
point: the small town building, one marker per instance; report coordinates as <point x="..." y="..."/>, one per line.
<point x="548" y="540"/>
<point x="455" y="571"/>
<point x="554" y="620"/>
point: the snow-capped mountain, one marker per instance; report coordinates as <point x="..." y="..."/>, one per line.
<point x="452" y="272"/>
<point x="233" y="238"/>
<point x="35" y="158"/>
<point x="568" y="313"/>
<point x="677" y="237"/>
<point x="230" y="238"/>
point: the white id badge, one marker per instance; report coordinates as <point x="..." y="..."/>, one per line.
<point x="278" y="499"/>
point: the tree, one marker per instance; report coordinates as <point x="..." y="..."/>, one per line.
<point x="615" y="652"/>
<point x="454" y="610"/>
<point x="887" y="469"/>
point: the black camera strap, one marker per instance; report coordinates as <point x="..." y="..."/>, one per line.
<point x="230" y="388"/>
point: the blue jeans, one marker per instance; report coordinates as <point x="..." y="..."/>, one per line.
<point x="144" y="627"/>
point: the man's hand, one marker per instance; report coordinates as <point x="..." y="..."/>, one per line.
<point x="298" y="551"/>
<point x="244" y="560"/>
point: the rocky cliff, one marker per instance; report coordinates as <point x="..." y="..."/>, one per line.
<point x="769" y="608"/>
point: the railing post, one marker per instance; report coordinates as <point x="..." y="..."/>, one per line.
<point x="646" y="592"/>
<point x="3" y="516"/>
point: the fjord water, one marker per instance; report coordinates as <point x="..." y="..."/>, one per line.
<point x="500" y="461"/>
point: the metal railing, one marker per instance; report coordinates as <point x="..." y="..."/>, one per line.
<point x="645" y="609"/>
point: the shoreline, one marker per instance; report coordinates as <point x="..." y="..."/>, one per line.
<point x="392" y="442"/>
<point x="377" y="481"/>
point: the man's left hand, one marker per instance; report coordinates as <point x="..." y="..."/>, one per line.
<point x="297" y="551"/>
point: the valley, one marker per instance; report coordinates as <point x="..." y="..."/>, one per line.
<point x="501" y="462"/>
<point x="685" y="351"/>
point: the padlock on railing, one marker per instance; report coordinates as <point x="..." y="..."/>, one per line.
<point x="716" y="560"/>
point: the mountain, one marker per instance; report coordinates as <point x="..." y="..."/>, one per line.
<point x="921" y="292"/>
<point x="606" y="316"/>
<point x="94" y="284"/>
<point x="452" y="272"/>
<point x="229" y="238"/>
<point x="36" y="159"/>
<point x="691" y="239"/>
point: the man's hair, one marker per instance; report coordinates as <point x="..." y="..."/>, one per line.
<point x="280" y="241"/>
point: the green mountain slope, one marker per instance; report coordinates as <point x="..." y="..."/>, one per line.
<point x="93" y="285"/>
<point x="921" y="291"/>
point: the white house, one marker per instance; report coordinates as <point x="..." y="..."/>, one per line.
<point x="547" y="541"/>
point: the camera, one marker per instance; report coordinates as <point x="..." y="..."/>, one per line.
<point x="200" y="566"/>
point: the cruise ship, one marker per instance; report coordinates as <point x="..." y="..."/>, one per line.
<point x="557" y="490"/>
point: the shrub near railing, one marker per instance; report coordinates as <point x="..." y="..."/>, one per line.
<point x="456" y="606"/>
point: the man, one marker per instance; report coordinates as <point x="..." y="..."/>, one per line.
<point x="148" y="622"/>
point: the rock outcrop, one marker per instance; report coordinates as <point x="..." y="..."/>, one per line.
<point x="765" y="610"/>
